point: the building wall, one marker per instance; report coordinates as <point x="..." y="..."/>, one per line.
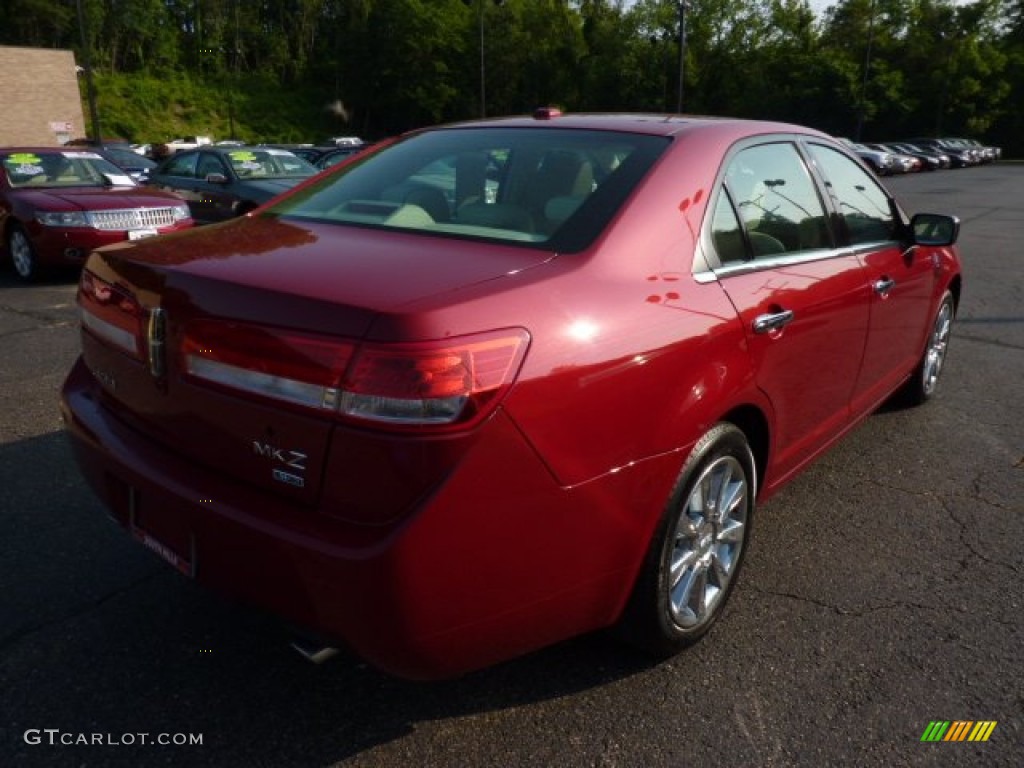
<point x="41" y="103"/>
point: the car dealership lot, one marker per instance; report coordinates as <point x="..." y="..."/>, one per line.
<point x="882" y="591"/>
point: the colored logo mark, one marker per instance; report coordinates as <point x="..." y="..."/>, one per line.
<point x="958" y="730"/>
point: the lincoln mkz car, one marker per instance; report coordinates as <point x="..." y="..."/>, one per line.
<point x="56" y="205"/>
<point x="503" y="383"/>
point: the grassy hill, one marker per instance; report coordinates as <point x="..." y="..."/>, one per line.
<point x="145" y="108"/>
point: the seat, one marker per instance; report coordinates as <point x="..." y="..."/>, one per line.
<point x="563" y="180"/>
<point x="765" y="245"/>
<point x="496" y="215"/>
<point x="431" y="200"/>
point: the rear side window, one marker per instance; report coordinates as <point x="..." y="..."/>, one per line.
<point x="777" y="204"/>
<point x="181" y="165"/>
<point x="552" y="187"/>
<point x="863" y="205"/>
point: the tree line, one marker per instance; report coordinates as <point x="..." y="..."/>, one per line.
<point x="298" y="69"/>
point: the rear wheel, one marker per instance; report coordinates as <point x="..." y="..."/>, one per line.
<point x="925" y="381"/>
<point x="23" y="255"/>
<point x="696" y="554"/>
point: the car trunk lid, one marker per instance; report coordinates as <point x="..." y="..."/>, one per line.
<point x="226" y="346"/>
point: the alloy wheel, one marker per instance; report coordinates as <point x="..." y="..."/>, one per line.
<point x="709" y="538"/>
<point x="938" y="344"/>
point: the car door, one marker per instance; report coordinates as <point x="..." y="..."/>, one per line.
<point x="803" y="303"/>
<point x="901" y="277"/>
<point x="177" y="174"/>
<point x="213" y="187"/>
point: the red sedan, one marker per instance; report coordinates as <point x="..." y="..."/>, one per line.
<point x="57" y="205"/>
<point x="502" y="383"/>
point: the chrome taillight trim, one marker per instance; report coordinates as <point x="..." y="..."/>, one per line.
<point x="119" y="337"/>
<point x="290" y="390"/>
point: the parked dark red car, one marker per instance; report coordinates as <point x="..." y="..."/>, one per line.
<point x="56" y="205"/>
<point x="503" y="383"/>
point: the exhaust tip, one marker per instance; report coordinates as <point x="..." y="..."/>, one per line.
<point x="313" y="650"/>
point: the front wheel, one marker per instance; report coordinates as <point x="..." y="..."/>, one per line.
<point x="696" y="553"/>
<point x="923" y="384"/>
<point x="23" y="255"/>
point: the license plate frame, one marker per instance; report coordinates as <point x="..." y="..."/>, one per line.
<point x="185" y="565"/>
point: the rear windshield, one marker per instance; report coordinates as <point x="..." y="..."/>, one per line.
<point x="551" y="187"/>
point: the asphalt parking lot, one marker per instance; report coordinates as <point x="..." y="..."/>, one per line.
<point x="883" y="591"/>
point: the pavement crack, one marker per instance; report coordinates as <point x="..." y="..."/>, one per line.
<point x="963" y="526"/>
<point x="18" y="635"/>
<point x="45" y="317"/>
<point x="859" y="613"/>
<point x="986" y="341"/>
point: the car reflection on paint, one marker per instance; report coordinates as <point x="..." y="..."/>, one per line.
<point x="501" y="383"/>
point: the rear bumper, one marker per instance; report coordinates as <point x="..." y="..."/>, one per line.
<point x="497" y="562"/>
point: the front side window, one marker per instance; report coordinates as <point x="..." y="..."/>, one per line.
<point x="209" y="163"/>
<point x="538" y="186"/>
<point x="862" y="204"/>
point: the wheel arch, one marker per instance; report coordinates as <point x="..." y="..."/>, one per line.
<point x="10" y="222"/>
<point x="955" y="286"/>
<point x="752" y="421"/>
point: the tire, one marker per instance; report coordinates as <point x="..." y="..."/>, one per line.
<point x="922" y="385"/>
<point x="695" y="556"/>
<point x="22" y="254"/>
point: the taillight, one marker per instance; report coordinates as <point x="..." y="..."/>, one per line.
<point x="111" y="314"/>
<point x="452" y="381"/>
<point x="297" y="368"/>
<point x="441" y="384"/>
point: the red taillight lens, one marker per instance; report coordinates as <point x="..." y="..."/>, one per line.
<point x="111" y="314"/>
<point x="445" y="382"/>
<point x="454" y="382"/>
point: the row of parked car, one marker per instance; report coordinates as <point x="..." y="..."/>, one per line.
<point x="59" y="203"/>
<point x="923" y="154"/>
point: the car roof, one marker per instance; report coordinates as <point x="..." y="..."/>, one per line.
<point x="654" y="124"/>
<point x="220" y="149"/>
<point x="65" y="148"/>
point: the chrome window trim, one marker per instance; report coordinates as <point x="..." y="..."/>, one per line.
<point x="712" y="274"/>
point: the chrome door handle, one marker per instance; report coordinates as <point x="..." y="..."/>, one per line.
<point x="883" y="285"/>
<point x="772" y="321"/>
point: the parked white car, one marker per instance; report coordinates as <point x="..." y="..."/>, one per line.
<point x="187" y="142"/>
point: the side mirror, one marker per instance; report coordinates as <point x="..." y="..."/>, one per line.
<point x="935" y="229"/>
<point x="216" y="178"/>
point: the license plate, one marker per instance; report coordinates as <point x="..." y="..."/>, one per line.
<point x="138" y="234"/>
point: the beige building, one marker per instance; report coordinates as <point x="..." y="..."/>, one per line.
<point x="39" y="91"/>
